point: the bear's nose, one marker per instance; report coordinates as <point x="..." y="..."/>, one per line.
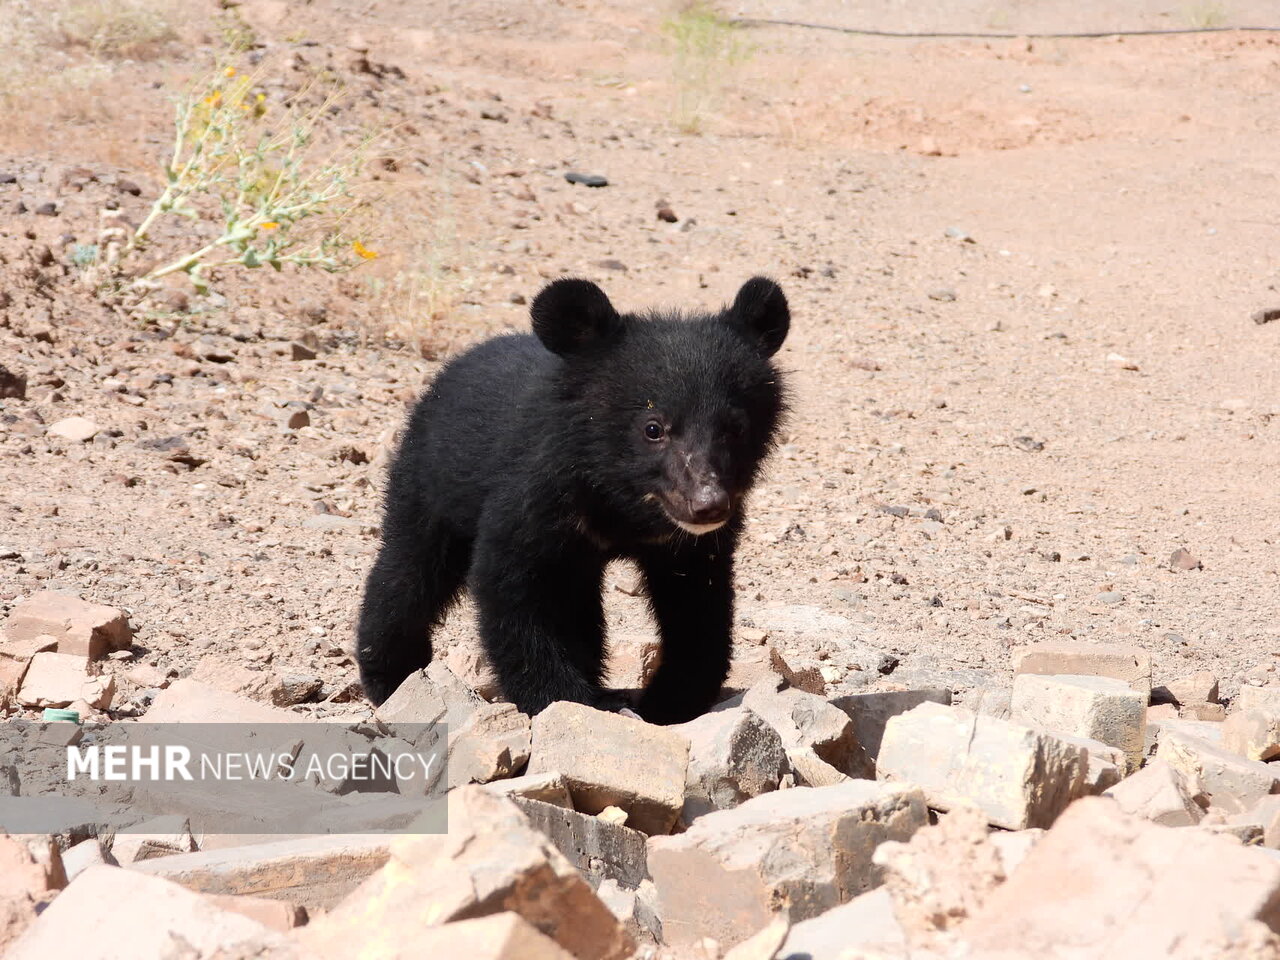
<point x="709" y="504"/>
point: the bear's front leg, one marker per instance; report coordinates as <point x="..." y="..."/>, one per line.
<point x="691" y="592"/>
<point x="541" y="618"/>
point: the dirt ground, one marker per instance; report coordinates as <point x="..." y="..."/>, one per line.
<point x="1022" y="275"/>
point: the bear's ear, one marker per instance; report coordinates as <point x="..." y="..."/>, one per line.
<point x="760" y="311"/>
<point x="571" y="315"/>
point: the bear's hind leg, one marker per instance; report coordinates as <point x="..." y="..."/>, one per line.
<point x="415" y="579"/>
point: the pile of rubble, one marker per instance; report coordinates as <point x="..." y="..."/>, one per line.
<point x="1080" y="813"/>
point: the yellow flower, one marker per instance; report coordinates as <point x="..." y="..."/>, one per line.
<point x="363" y="251"/>
<point x="269" y="224"/>
<point x="261" y="97"/>
<point x="229" y="72"/>
<point x="213" y="99"/>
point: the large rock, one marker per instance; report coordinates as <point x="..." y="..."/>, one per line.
<point x="601" y="850"/>
<point x="1253" y="733"/>
<point x="1158" y="793"/>
<point x="1077" y="658"/>
<point x="941" y="876"/>
<point x="1019" y="776"/>
<point x="491" y="861"/>
<point x="60" y="679"/>
<point x="866" y="922"/>
<point x="547" y="787"/>
<point x="1257" y="698"/>
<point x="1107" y="764"/>
<point x="31" y="871"/>
<point x="1231" y="782"/>
<point x="804" y="720"/>
<point x="870" y="712"/>
<point x="501" y="936"/>
<point x="491" y="744"/>
<point x="315" y="872"/>
<point x="608" y="760"/>
<point x="112" y="914"/>
<point x="85" y="629"/>
<point x="1102" y="883"/>
<point x="189" y="701"/>
<point x="803" y="850"/>
<point x="733" y="756"/>
<point x="1099" y="708"/>
<point x="433" y="695"/>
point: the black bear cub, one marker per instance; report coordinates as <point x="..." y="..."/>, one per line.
<point x="532" y="461"/>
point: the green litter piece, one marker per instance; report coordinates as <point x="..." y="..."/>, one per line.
<point x="54" y="715"/>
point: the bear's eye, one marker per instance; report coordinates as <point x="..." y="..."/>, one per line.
<point x="654" y="430"/>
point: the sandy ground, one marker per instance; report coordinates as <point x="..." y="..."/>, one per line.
<point x="1022" y="275"/>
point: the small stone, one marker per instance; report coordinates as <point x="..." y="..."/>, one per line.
<point x="293" y="688"/>
<point x="75" y="429"/>
<point x="1029" y="445"/>
<point x="1182" y="560"/>
<point x="13" y="385"/>
<point x="295" y="419"/>
<point x="633" y="660"/>
<point x="1266" y="316"/>
<point x="942" y="294"/>
<point x="810" y="770"/>
<point x="587" y="179"/>
<point x="1124" y="363"/>
<point x="667" y="215"/>
<point x="47" y="209"/>
<point x="800" y="668"/>
<point x="300" y="351"/>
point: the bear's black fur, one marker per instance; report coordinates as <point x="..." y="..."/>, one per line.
<point x="531" y="462"/>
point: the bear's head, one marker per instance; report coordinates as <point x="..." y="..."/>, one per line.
<point x="669" y="416"/>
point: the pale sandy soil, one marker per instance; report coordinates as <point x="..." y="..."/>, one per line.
<point x="1118" y="196"/>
